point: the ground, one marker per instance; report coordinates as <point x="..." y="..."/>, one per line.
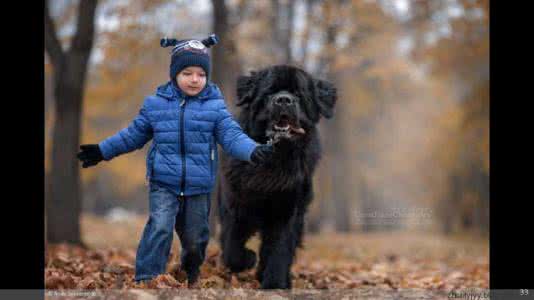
<point x="390" y="262"/>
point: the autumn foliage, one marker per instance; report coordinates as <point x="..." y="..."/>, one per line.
<point x="388" y="261"/>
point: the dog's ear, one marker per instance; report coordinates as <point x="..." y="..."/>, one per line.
<point x="246" y="88"/>
<point x="325" y="97"/>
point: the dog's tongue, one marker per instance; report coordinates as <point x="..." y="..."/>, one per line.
<point x="299" y="130"/>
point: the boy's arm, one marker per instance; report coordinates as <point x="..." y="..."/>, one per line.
<point x="133" y="137"/>
<point x="231" y="137"/>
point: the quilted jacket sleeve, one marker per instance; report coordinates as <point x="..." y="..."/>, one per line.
<point x="231" y="137"/>
<point x="133" y="137"/>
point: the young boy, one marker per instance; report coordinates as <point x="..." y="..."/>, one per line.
<point x="186" y="117"/>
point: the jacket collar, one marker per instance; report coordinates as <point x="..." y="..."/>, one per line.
<point x="171" y="92"/>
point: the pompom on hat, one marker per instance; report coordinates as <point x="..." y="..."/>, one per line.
<point x="190" y="52"/>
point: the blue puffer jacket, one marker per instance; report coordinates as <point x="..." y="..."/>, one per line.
<point x="183" y="154"/>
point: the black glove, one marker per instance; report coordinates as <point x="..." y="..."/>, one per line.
<point x="262" y="154"/>
<point x="90" y="155"/>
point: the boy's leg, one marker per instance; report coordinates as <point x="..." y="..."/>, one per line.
<point x="192" y="227"/>
<point x="155" y="245"/>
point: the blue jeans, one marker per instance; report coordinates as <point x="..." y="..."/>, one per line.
<point x="188" y="216"/>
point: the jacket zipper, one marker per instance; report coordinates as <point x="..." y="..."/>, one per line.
<point x="212" y="158"/>
<point x="182" y="136"/>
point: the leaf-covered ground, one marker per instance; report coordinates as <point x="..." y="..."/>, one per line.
<point x="392" y="261"/>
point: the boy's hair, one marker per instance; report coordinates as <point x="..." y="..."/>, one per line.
<point x="189" y="52"/>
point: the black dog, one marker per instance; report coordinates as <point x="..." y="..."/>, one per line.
<point x="282" y="105"/>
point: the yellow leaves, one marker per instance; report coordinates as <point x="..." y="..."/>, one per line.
<point x="60" y="282"/>
<point x="87" y="283"/>
<point x="166" y="281"/>
<point x="213" y="282"/>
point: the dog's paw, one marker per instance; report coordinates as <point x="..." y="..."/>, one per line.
<point x="243" y="262"/>
<point x="274" y="280"/>
<point x="270" y="283"/>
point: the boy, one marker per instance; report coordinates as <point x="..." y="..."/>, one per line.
<point x="185" y="118"/>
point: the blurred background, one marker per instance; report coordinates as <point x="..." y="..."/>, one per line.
<point x="407" y="149"/>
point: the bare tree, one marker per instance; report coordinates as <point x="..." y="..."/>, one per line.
<point x="226" y="68"/>
<point x="334" y="148"/>
<point x="69" y="72"/>
<point x="282" y="17"/>
<point x="308" y="6"/>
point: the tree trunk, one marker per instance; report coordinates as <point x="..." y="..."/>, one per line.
<point x="317" y="213"/>
<point x="225" y="69"/>
<point x="334" y="147"/>
<point x="340" y="197"/>
<point x="484" y="205"/>
<point x="306" y="34"/>
<point x="281" y="19"/>
<point x="481" y="214"/>
<point x="63" y="205"/>
<point x="287" y="31"/>
<point x="225" y="60"/>
<point x="313" y="224"/>
<point x="450" y="205"/>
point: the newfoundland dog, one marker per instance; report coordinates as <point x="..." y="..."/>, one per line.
<point x="280" y="105"/>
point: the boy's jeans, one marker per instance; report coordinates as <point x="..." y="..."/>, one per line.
<point x="189" y="217"/>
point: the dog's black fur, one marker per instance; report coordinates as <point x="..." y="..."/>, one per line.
<point x="272" y="199"/>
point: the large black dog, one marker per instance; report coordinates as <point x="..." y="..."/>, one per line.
<point x="280" y="104"/>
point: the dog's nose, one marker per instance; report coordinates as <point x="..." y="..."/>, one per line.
<point x="284" y="101"/>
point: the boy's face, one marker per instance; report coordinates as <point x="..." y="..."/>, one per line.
<point x="191" y="80"/>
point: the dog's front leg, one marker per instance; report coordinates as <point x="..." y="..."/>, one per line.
<point x="279" y="243"/>
<point x="234" y="253"/>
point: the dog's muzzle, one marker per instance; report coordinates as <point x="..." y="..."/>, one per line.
<point x="285" y="123"/>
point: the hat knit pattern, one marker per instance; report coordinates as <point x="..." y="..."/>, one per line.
<point x="188" y="53"/>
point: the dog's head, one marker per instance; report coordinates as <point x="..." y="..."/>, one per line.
<point x="283" y="103"/>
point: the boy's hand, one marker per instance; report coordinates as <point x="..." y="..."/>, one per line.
<point x="262" y="154"/>
<point x="90" y="155"/>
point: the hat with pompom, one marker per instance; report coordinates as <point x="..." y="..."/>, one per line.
<point x="189" y="52"/>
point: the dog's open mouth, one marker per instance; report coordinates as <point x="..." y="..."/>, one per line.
<point x="285" y="128"/>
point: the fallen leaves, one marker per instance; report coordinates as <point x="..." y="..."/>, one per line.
<point x="389" y="261"/>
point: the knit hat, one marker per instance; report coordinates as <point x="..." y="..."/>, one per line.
<point x="189" y="52"/>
